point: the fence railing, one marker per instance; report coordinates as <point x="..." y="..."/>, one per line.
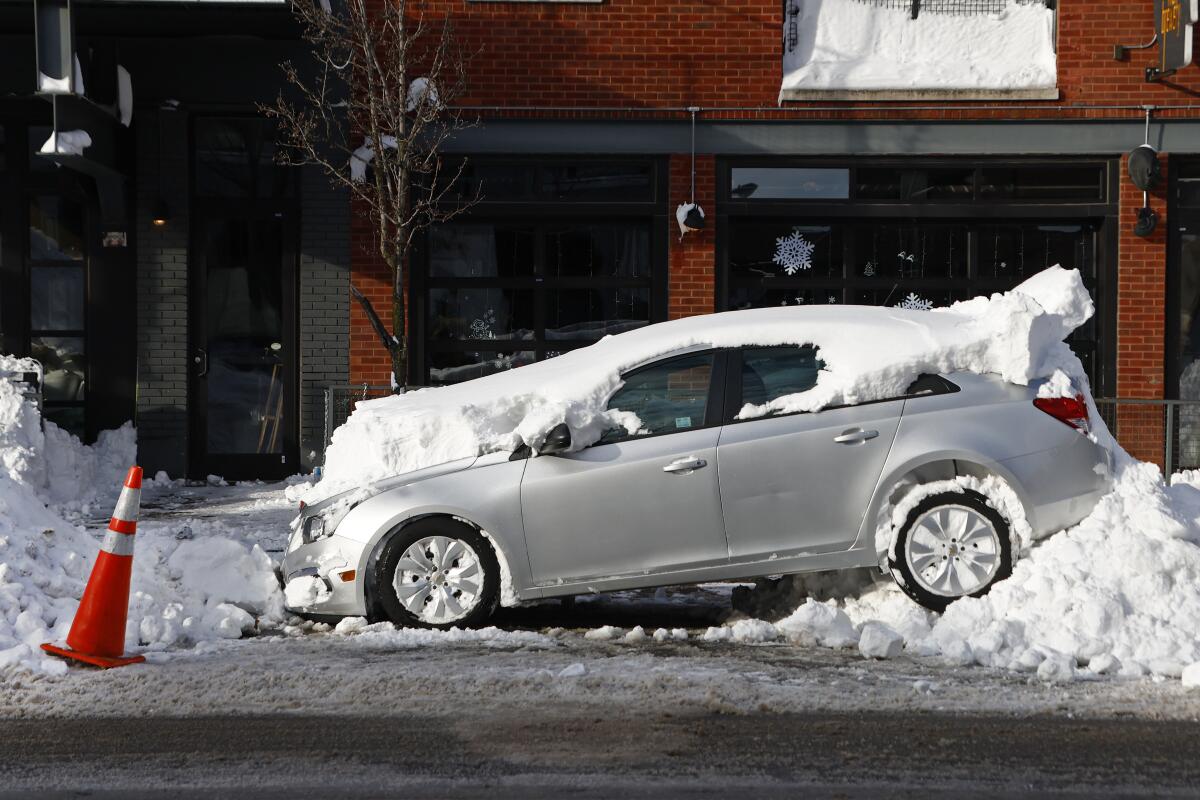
<point x="1166" y="432"/>
<point x="341" y="399"/>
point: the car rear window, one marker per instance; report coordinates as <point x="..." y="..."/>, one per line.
<point x="769" y="373"/>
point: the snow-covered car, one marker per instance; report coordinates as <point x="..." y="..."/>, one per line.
<point x="935" y="445"/>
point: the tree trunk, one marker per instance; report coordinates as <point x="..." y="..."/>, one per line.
<point x="399" y="344"/>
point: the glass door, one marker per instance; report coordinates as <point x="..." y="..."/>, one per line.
<point x="243" y="354"/>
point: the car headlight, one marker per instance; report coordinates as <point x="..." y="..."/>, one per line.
<point x="323" y="523"/>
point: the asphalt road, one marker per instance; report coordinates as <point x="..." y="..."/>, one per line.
<point x="662" y="756"/>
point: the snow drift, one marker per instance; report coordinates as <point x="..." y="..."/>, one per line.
<point x="183" y="590"/>
<point x="1118" y="594"/>
<point x="869" y="352"/>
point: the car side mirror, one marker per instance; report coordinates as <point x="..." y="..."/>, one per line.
<point x="558" y="440"/>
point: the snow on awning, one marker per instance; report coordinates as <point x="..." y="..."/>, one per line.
<point x="874" y="49"/>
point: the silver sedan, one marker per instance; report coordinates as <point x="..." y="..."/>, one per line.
<point x="699" y="494"/>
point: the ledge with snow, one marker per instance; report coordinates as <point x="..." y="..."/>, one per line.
<point x="858" y="50"/>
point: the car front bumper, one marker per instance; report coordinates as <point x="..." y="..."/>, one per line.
<point x="337" y="566"/>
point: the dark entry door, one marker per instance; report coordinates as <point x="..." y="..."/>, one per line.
<point x="243" y="410"/>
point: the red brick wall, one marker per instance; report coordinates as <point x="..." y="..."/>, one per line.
<point x="369" y="360"/>
<point x="692" y="275"/>
<point x="659" y="53"/>
<point x="1141" y="320"/>
<point x="654" y="54"/>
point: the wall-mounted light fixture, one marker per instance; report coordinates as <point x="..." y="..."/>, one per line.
<point x="1145" y="173"/>
<point x="161" y="214"/>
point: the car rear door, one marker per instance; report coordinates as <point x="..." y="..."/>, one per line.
<point x="635" y="503"/>
<point x="796" y="483"/>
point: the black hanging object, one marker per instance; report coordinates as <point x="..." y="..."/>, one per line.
<point x="1147" y="221"/>
<point x="694" y="219"/>
<point x="1144" y="169"/>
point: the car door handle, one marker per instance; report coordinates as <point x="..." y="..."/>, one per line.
<point x="686" y="466"/>
<point x="855" y="436"/>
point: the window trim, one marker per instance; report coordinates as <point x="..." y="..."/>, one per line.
<point x="714" y="406"/>
<point x="733" y="388"/>
<point x="541" y="214"/>
<point x="1104" y="215"/>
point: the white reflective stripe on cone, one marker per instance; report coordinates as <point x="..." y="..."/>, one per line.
<point x="128" y="505"/>
<point x="118" y="544"/>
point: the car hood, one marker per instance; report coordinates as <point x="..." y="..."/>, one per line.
<point x="361" y="493"/>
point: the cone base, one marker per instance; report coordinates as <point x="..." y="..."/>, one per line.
<point x="103" y="662"/>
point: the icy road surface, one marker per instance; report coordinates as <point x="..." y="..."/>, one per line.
<point x="537" y="708"/>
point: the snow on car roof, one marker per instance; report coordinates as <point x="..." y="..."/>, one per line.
<point x="869" y="353"/>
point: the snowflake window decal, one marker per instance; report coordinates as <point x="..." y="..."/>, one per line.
<point x="915" y="302"/>
<point x="793" y="252"/>
<point x="482" y="327"/>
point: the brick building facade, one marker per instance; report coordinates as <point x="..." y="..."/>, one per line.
<point x="584" y="82"/>
<point x="174" y="275"/>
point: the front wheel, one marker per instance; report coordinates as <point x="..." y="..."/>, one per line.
<point x="438" y="573"/>
<point x="952" y="545"/>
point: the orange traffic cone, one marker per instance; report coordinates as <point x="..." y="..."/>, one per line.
<point x="98" y="633"/>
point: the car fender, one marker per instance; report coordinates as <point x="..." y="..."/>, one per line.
<point x="955" y="461"/>
<point x="485" y="496"/>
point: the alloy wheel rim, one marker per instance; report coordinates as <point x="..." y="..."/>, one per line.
<point x="438" y="579"/>
<point x="953" y="551"/>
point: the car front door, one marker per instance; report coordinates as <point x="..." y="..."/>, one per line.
<point x="796" y="483"/>
<point x="633" y="503"/>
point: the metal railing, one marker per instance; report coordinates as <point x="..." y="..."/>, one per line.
<point x="1166" y="432"/>
<point x="955" y="7"/>
<point x="341" y="399"/>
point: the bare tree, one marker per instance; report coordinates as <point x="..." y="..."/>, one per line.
<point x="374" y="112"/>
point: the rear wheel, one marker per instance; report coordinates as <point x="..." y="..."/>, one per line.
<point x="952" y="545"/>
<point x="438" y="573"/>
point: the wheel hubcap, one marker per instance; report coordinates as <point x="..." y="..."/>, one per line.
<point x="953" y="551"/>
<point x="438" y="579"/>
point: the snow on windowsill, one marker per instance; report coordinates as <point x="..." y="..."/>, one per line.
<point x="850" y="50"/>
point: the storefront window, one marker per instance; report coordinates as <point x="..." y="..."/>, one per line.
<point x="57" y="297"/>
<point x="789" y="183"/>
<point x="55" y="229"/>
<point x="553" y="256"/>
<point x="918" y="237"/>
<point x="235" y="157"/>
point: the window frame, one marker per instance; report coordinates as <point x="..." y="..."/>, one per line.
<point x="974" y="213"/>
<point x="714" y="409"/>
<point x="541" y="215"/>
<point x="733" y="388"/>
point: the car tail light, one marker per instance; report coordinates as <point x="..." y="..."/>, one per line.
<point x="1067" y="410"/>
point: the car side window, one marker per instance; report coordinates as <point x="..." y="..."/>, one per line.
<point x="769" y="373"/>
<point x="668" y="397"/>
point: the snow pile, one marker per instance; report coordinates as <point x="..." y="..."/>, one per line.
<point x="851" y="45"/>
<point x="869" y="353"/>
<point x="184" y="590"/>
<point x="1117" y="594"/>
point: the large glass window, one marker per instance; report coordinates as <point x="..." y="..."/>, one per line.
<point x="916" y="264"/>
<point x="235" y="157"/>
<point x="57" y="297"/>
<point x="542" y="288"/>
<point x="553" y="256"/>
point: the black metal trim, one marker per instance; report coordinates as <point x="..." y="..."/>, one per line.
<point x="538" y="216"/>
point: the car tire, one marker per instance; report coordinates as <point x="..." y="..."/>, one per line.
<point x="437" y="573"/>
<point x="951" y="545"/>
